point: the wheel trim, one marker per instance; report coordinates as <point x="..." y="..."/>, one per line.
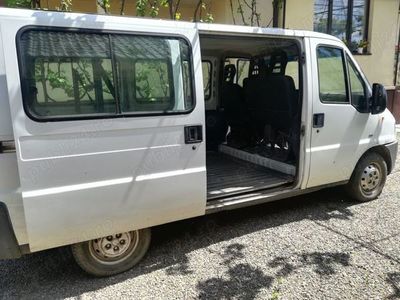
<point x="114" y="249"/>
<point x="371" y="178"/>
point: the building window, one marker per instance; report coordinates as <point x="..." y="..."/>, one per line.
<point x="345" y="19"/>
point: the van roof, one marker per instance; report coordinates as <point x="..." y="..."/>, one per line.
<point x="69" y="19"/>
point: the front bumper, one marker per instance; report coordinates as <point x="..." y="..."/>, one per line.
<point x="9" y="247"/>
<point x="392" y="148"/>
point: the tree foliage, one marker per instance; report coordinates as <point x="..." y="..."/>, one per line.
<point x="64" y="5"/>
<point x="247" y="11"/>
<point x="23" y="3"/>
<point x="152" y="9"/>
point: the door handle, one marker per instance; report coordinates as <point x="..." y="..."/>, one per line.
<point x="318" y="120"/>
<point x="193" y="134"/>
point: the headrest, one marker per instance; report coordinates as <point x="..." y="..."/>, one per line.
<point x="278" y="63"/>
<point x="229" y="73"/>
<point x="257" y="67"/>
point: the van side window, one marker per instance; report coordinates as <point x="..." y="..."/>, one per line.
<point x="332" y="79"/>
<point x="78" y="75"/>
<point x="357" y="87"/>
<point x="151" y="72"/>
<point x="207" y="76"/>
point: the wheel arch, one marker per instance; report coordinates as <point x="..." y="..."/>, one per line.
<point x="382" y="151"/>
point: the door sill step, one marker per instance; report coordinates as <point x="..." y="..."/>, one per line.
<point x="259" y="160"/>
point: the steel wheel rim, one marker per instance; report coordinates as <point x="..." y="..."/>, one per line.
<point x="115" y="248"/>
<point x="371" y="178"/>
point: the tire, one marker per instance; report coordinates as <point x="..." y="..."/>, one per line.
<point x="368" y="178"/>
<point x="113" y="254"/>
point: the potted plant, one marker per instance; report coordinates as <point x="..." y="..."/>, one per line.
<point x="361" y="46"/>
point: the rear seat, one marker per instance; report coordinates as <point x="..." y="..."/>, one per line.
<point x="271" y="96"/>
<point x="254" y="97"/>
<point x="235" y="109"/>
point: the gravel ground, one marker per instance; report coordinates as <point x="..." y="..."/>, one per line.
<point x="316" y="246"/>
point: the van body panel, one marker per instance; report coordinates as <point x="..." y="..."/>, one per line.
<point x="6" y="132"/>
<point x="9" y="176"/>
<point x="346" y="135"/>
<point x="88" y="178"/>
<point x="306" y="114"/>
<point x="10" y="195"/>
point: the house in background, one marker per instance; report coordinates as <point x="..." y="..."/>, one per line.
<point x="370" y="28"/>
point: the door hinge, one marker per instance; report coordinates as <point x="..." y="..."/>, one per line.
<point x="303" y="58"/>
<point x="303" y="130"/>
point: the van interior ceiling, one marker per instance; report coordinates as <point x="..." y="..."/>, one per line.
<point x="253" y="111"/>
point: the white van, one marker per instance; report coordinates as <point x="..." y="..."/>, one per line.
<point x="112" y="125"/>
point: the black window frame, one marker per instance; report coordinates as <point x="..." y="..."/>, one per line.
<point x="345" y="70"/>
<point x="211" y="78"/>
<point x="118" y="114"/>
<point x="349" y="20"/>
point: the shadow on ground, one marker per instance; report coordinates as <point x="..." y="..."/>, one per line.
<point x="44" y="272"/>
<point x="394" y="280"/>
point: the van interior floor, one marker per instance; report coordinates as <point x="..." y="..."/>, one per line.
<point x="227" y="175"/>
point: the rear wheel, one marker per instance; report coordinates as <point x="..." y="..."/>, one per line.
<point x="112" y="254"/>
<point x="369" y="178"/>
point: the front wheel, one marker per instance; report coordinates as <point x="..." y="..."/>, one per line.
<point x="112" y="254"/>
<point x="368" y="179"/>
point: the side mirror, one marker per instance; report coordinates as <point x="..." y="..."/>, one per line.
<point x="378" y="99"/>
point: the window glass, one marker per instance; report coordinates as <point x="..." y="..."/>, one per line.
<point x="333" y="17"/>
<point x="206" y="66"/>
<point x="339" y="18"/>
<point x="321" y="13"/>
<point x="68" y="74"/>
<point x="332" y="80"/>
<point x="152" y="74"/>
<point x="358" y="26"/>
<point x="292" y="70"/>
<point x="242" y="70"/>
<point x="152" y="81"/>
<point x="358" y="89"/>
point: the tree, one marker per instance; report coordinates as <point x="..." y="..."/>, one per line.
<point x="64" y="5"/>
<point x="247" y="10"/>
<point x="152" y="8"/>
<point x="104" y="4"/>
<point x="23" y="3"/>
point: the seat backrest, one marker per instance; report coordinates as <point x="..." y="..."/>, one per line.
<point x="282" y="104"/>
<point x="232" y="96"/>
<point x="254" y="94"/>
